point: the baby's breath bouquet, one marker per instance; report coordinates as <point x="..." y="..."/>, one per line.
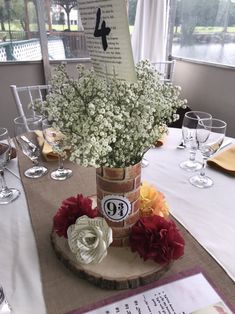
<point x="111" y="123"/>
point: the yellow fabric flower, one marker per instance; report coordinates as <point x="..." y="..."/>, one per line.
<point x="152" y="202"/>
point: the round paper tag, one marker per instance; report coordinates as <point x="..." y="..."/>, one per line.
<point x="115" y="207"/>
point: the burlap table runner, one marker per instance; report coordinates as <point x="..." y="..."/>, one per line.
<point x="64" y="291"/>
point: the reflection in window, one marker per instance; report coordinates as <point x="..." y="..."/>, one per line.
<point x="67" y="28"/>
<point x="18" y="31"/>
<point x="19" y="34"/>
<point x="205" y="30"/>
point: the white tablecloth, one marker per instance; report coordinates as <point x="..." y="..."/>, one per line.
<point x="208" y="214"/>
<point x="19" y="264"/>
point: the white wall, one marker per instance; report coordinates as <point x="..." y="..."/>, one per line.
<point x="20" y="74"/>
<point x="208" y="88"/>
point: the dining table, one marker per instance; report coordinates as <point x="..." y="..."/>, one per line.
<point x="36" y="281"/>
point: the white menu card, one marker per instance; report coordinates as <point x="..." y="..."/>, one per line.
<point x="188" y="295"/>
<point x="106" y="28"/>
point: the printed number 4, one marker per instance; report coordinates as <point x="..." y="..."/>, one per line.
<point x="103" y="31"/>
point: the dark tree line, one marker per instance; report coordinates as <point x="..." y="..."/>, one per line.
<point x="208" y="13"/>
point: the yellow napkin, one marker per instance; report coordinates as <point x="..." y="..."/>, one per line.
<point x="224" y="161"/>
<point x="160" y="141"/>
<point x="47" y="150"/>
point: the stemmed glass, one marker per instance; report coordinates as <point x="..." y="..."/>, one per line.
<point x="189" y="126"/>
<point x="210" y="134"/>
<point x="144" y="162"/>
<point x="7" y="195"/>
<point x="56" y="139"/>
<point x="27" y="139"/>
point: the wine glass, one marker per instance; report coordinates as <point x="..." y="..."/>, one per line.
<point x="210" y="134"/>
<point x="7" y="195"/>
<point x="144" y="162"/>
<point x="189" y="126"/>
<point x="27" y="139"/>
<point x="56" y="139"/>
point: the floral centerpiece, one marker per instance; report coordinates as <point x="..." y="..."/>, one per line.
<point x="111" y="123"/>
<point x="154" y="236"/>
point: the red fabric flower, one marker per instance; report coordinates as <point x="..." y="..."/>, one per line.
<point x="156" y="238"/>
<point x="72" y="208"/>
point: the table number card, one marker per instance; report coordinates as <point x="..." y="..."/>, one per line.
<point x="188" y="295"/>
<point x="108" y="39"/>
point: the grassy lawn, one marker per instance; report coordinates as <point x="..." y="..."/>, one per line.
<point x="199" y="29"/>
<point x="131" y="27"/>
<point x="16" y="27"/>
<point x="210" y="29"/>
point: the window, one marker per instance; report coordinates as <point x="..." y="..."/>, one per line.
<point x="19" y="32"/>
<point x="67" y="28"/>
<point x="205" y="30"/>
<point x="131" y="13"/>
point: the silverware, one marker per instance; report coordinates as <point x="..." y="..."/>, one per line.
<point x="31" y="145"/>
<point x="225" y="144"/>
<point x="181" y="145"/>
<point x="12" y="172"/>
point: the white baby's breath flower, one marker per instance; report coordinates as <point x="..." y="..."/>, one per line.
<point x="111" y="123"/>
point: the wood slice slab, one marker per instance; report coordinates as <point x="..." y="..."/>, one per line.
<point x="120" y="269"/>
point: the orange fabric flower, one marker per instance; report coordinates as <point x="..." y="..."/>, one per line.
<point x="152" y="202"/>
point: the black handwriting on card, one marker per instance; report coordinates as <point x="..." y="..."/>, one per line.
<point x="103" y="31"/>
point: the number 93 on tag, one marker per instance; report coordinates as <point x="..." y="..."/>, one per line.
<point x="115" y="207"/>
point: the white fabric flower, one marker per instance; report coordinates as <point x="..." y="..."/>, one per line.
<point x="89" y="239"/>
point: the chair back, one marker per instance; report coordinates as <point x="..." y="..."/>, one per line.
<point x="165" y="69"/>
<point x="26" y="95"/>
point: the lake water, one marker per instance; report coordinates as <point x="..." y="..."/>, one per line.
<point x="215" y="53"/>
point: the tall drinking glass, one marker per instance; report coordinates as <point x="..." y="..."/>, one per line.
<point x="189" y="127"/>
<point x="56" y="139"/>
<point x="209" y="135"/>
<point x="26" y="137"/>
<point x="7" y="195"/>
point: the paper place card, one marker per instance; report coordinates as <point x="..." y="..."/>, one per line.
<point x="188" y="295"/>
<point x="108" y="41"/>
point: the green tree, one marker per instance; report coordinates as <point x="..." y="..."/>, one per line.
<point x="67" y="5"/>
<point x="192" y="13"/>
<point x="3" y="14"/>
<point x="18" y="13"/>
<point x="231" y="21"/>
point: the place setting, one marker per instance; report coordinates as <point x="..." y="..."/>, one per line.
<point x="201" y="133"/>
<point x="7" y="152"/>
<point x="38" y="140"/>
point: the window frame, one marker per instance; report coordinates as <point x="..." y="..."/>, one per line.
<point x="170" y="35"/>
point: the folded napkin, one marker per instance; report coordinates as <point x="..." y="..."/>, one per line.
<point x="224" y="161"/>
<point x="160" y="141"/>
<point x="47" y="150"/>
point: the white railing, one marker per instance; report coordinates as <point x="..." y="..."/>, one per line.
<point x="28" y="50"/>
